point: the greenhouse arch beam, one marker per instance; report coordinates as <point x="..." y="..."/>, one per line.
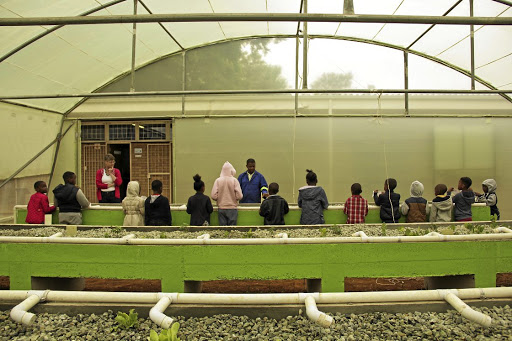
<point x="344" y="38"/>
<point x="53" y="29"/>
<point x="254" y="17"/>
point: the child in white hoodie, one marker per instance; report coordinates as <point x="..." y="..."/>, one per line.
<point x="226" y="191"/>
<point x="489" y="196"/>
<point x="133" y="206"/>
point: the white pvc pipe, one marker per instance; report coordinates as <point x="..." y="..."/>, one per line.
<point x="156" y="314"/>
<point x="502" y="229"/>
<point x="467" y="311"/>
<point x="20" y="312"/>
<point x="316" y="315"/>
<point x="282" y="235"/>
<point x="364" y="237"/>
<point x="294" y="298"/>
<point x="204" y="236"/>
<point x="260" y="241"/>
<point x="56" y="235"/>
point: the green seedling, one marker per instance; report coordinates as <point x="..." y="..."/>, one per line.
<point x="384" y="229"/>
<point x="494" y="224"/>
<point x="126" y="321"/>
<point x="401" y="229"/>
<point x="163" y="235"/>
<point x="408" y="232"/>
<point x="166" y="334"/>
<point x="323" y="232"/>
<point x="227" y="234"/>
<point x="117" y="230"/>
<point x="336" y="230"/>
<point x="480" y="229"/>
<point x="249" y="234"/>
<point x="470" y="227"/>
<point x="433" y="227"/>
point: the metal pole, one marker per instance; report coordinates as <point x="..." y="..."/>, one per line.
<point x="348" y="7"/>
<point x="60" y="136"/>
<point x="297" y="41"/>
<point x="183" y="81"/>
<point x="50" y="30"/>
<point x="472" y="43"/>
<point x="134" y="41"/>
<point x="253" y="17"/>
<point x="432" y="26"/>
<point x="259" y="92"/>
<point x="406" y="82"/>
<point x="305" y="49"/>
<point x="29" y="162"/>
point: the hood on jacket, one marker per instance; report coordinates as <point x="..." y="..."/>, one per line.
<point x="65" y="192"/>
<point x="133" y="189"/>
<point x="227" y="170"/>
<point x="491" y="185"/>
<point x="468" y="196"/>
<point x="310" y="192"/>
<point x="417" y="189"/>
<point x="443" y="203"/>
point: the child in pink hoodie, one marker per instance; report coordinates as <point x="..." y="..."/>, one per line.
<point x="226" y="191"/>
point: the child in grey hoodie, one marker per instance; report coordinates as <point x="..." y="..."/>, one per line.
<point x="489" y="196"/>
<point x="442" y="205"/>
<point x="463" y="200"/>
<point x="415" y="207"/>
<point x="312" y="200"/>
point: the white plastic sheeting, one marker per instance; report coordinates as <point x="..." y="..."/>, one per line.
<point x="77" y="59"/>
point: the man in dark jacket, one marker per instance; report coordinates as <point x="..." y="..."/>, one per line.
<point x="253" y="184"/>
<point x="70" y="200"/>
<point x="389" y="202"/>
<point x="274" y="207"/>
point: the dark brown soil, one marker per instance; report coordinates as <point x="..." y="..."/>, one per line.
<point x="504" y="280"/>
<point x="123" y="285"/>
<point x="4" y="283"/>
<point x="250" y="286"/>
<point x="384" y="284"/>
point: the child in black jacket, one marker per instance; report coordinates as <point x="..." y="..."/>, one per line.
<point x="389" y="202"/>
<point x="274" y="207"/>
<point x="157" y="209"/>
<point x="199" y="206"/>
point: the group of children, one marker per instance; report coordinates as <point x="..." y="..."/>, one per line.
<point x="155" y="210"/>
<point x="416" y="207"/>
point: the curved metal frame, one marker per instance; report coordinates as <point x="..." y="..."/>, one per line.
<point x="343" y="38"/>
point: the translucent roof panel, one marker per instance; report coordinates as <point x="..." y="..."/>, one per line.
<point x="83" y="58"/>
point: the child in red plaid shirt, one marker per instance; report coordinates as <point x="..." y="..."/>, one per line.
<point x="356" y="207"/>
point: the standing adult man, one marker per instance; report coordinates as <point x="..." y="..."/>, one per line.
<point x="253" y="184"/>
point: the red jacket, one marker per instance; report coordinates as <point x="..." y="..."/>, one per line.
<point x="100" y="185"/>
<point x="38" y="206"/>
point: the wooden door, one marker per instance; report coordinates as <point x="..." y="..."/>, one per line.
<point x="92" y="160"/>
<point x="159" y="166"/>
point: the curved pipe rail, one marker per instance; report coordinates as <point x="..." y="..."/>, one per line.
<point x="156" y="314"/>
<point x="270" y="299"/>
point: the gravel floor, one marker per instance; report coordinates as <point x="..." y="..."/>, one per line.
<point x="374" y="326"/>
<point x="186" y="233"/>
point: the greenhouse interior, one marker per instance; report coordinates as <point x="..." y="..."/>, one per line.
<point x="357" y="91"/>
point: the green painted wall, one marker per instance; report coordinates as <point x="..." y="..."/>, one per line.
<point x="329" y="262"/>
<point x="245" y="217"/>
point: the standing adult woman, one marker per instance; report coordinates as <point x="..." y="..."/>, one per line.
<point x="108" y="180"/>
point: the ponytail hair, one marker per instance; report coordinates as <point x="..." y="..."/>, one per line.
<point x="198" y="183"/>
<point x="311" y="177"/>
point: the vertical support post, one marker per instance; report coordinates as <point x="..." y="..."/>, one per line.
<point x="297" y="41"/>
<point x="472" y="42"/>
<point x="134" y="40"/>
<point x="305" y="50"/>
<point x="406" y="82"/>
<point x="183" y="81"/>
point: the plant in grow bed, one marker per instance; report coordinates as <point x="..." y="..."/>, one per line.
<point x="384" y="229"/>
<point x="249" y="234"/>
<point x="126" y="321"/>
<point x="494" y="224"/>
<point x="323" y="232"/>
<point x="166" y="334"/>
<point x="336" y="230"/>
<point x="163" y="235"/>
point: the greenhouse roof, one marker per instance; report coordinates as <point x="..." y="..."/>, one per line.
<point x="80" y="59"/>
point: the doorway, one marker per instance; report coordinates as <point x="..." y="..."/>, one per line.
<point x="122" y="154"/>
